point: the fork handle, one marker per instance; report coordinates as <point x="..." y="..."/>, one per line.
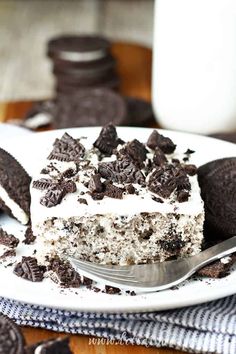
<point x="214" y="253"/>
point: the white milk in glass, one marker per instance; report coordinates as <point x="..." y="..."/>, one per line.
<point x="194" y="65"/>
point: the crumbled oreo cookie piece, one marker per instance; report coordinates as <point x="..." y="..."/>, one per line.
<point x="69" y="173"/>
<point x="159" y="157"/>
<point x="156" y="199"/>
<point x="136" y="151"/>
<point x="29" y="269"/>
<point x="11" y="337"/>
<point x="113" y="191"/>
<point x="219" y="268"/>
<point x="189" y="152"/>
<point x="191" y="170"/>
<point x="108" y="140"/>
<point x="182" y="180"/>
<point x="69" y="186"/>
<point x="29" y="236"/>
<point x="67" y="149"/>
<point x="86" y="281"/>
<point x="217" y="180"/>
<point x="153" y="140"/>
<point x="51" y="346"/>
<point x="82" y="201"/>
<point x="43" y="183"/>
<point x="158" y="140"/>
<point x="162" y="181"/>
<point x="16" y="182"/>
<point x="95" y="184"/>
<point x="112" y="290"/>
<point x="97" y="196"/>
<point x="121" y="171"/>
<point x="67" y="276"/>
<point x="130" y="189"/>
<point x="53" y="196"/>
<point x="182" y="196"/>
<point x="8" y="239"/>
<point x="7" y="254"/>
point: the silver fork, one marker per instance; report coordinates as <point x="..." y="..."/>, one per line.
<point x="156" y="276"/>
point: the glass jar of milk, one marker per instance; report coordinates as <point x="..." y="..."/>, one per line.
<point x="194" y="65"/>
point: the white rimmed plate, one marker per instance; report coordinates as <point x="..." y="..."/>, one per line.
<point x="30" y="150"/>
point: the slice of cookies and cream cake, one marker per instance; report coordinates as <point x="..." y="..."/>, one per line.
<point x="116" y="202"/>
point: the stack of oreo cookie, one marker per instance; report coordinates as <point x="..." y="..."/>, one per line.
<point x="82" y="62"/>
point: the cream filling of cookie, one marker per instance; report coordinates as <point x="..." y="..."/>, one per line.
<point x="86" y="56"/>
<point x="16" y="210"/>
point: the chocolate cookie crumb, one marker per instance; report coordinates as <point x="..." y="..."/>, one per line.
<point x="95" y="184"/>
<point x="82" y="201"/>
<point x="66" y="274"/>
<point x="130" y="189"/>
<point x="112" y="290"/>
<point x="8" y="253"/>
<point x="217" y="269"/>
<point x="121" y="171"/>
<point x="8" y="239"/>
<point x="156" y="199"/>
<point x="191" y="170"/>
<point x="29" y="236"/>
<point x="113" y="191"/>
<point x="136" y="151"/>
<point x="189" y="152"/>
<point x="29" y="269"/>
<point x="159" y="157"/>
<point x="182" y="196"/>
<point x="53" y="196"/>
<point x="108" y="140"/>
<point x="67" y="149"/>
<point x="158" y="140"/>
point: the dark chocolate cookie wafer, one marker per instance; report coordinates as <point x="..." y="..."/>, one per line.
<point x="217" y="180"/>
<point x="11" y="338"/>
<point x="14" y="188"/>
<point x="90" y="108"/>
<point x="111" y="83"/>
<point x="219" y="268"/>
<point x="78" y="48"/>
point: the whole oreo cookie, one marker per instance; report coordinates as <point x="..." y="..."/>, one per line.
<point x="14" y="188"/>
<point x="90" y="107"/>
<point x="11" y="338"/>
<point x="217" y="180"/>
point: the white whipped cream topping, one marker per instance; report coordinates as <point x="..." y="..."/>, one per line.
<point x="16" y="210"/>
<point x="128" y="206"/>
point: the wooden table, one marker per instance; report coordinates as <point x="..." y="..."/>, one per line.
<point x="134" y="65"/>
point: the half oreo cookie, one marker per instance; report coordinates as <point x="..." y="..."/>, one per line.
<point x="217" y="180"/>
<point x="14" y="188"/>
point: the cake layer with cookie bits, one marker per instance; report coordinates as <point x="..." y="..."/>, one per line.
<point x="115" y="202"/>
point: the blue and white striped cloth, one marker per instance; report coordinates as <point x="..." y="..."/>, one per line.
<point x="206" y="328"/>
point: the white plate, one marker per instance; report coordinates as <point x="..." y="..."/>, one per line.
<point x="30" y="150"/>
